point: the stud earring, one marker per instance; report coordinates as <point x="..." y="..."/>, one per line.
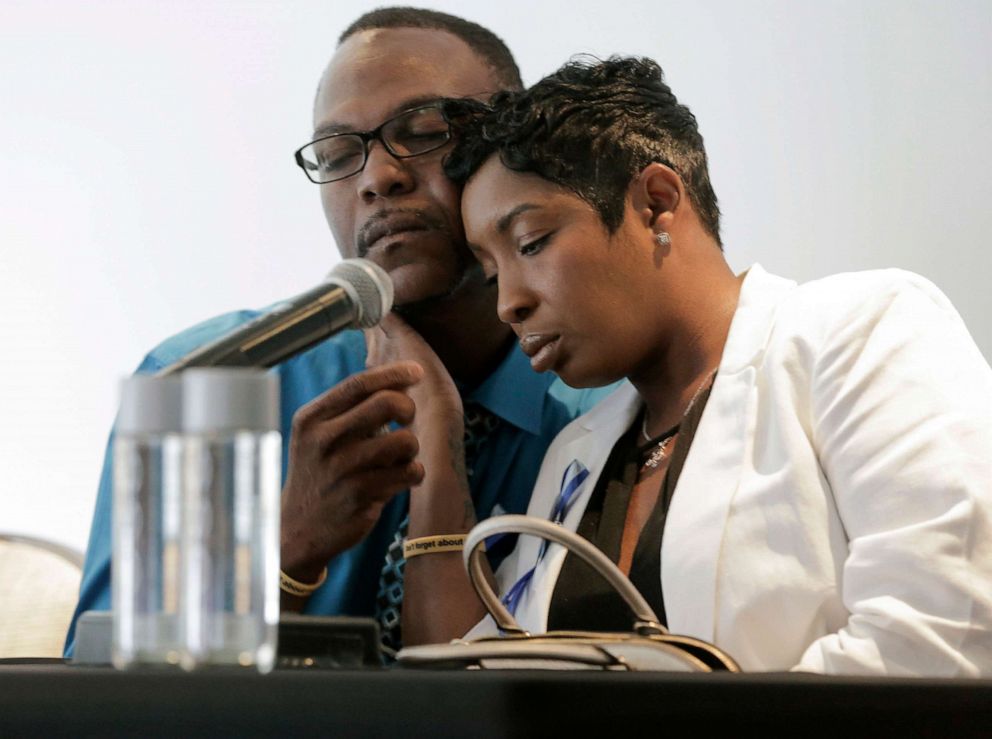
<point x="663" y="238"/>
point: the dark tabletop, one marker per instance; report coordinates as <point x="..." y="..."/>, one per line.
<point x="53" y="699"/>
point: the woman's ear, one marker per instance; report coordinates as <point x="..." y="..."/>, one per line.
<point x="656" y="194"/>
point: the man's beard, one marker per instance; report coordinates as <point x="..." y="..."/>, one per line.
<point x="468" y="276"/>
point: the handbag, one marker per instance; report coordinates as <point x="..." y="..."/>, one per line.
<point x="649" y="646"/>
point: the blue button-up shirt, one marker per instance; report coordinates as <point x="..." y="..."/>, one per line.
<point x="533" y="408"/>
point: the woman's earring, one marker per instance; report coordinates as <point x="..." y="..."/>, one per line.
<point x="663" y="238"/>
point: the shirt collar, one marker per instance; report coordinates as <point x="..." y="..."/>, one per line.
<point x="515" y="392"/>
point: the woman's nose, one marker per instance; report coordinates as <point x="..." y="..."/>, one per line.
<point x="516" y="301"/>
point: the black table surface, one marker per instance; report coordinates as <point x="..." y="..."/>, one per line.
<point x="54" y="699"/>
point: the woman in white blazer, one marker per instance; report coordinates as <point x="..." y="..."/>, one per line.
<point x="830" y="443"/>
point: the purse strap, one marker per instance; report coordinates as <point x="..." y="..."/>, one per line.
<point x="646" y="622"/>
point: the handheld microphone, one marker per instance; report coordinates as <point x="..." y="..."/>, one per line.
<point x="355" y="294"/>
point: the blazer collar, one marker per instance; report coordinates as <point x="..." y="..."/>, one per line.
<point x="753" y="320"/>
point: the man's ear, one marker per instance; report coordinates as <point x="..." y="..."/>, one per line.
<point x="656" y="194"/>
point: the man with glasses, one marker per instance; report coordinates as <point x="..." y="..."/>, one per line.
<point x="464" y="424"/>
<point x="338" y="155"/>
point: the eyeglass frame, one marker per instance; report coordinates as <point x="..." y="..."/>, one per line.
<point x="375" y="134"/>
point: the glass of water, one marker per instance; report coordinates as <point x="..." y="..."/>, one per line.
<point x="147" y="473"/>
<point x="232" y="456"/>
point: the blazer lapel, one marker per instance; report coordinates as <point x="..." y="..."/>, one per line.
<point x="600" y="428"/>
<point x="690" y="549"/>
<point x="701" y="506"/>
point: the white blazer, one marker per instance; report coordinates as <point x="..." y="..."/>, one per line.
<point x="835" y="510"/>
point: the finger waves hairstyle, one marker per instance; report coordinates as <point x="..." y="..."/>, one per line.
<point x="590" y="127"/>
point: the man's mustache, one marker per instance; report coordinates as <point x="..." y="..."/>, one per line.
<point x="377" y="226"/>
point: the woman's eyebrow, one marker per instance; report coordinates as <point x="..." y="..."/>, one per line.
<point x="504" y="223"/>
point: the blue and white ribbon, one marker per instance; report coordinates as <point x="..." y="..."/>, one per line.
<point x="571" y="480"/>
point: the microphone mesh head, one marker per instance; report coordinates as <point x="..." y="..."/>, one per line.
<point x="369" y="285"/>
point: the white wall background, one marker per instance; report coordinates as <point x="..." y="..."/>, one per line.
<point x="146" y="177"/>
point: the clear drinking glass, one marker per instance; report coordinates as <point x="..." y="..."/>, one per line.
<point x="232" y="456"/>
<point x="147" y="459"/>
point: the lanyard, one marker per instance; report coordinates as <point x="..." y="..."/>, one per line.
<point x="571" y="480"/>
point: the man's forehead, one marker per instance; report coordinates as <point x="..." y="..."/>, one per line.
<point x="377" y="74"/>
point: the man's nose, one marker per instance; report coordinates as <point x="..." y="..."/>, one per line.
<point x="384" y="175"/>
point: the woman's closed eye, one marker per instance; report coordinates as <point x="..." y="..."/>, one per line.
<point x="531" y="248"/>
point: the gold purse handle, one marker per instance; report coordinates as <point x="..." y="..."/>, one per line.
<point x="646" y="622"/>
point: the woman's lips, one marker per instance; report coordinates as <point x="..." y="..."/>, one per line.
<point x="542" y="350"/>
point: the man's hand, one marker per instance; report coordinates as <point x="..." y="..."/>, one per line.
<point x="345" y="465"/>
<point x="436" y="397"/>
<point x="439" y="427"/>
<point x="439" y="604"/>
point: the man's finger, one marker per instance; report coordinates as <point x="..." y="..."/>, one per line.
<point x="395" y="448"/>
<point x="392" y="325"/>
<point x="353" y="390"/>
<point x="368" y="418"/>
<point x="383" y="484"/>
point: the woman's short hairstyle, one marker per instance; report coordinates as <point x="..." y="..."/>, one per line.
<point x="590" y="127"/>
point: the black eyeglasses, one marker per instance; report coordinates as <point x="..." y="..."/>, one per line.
<point x="409" y="134"/>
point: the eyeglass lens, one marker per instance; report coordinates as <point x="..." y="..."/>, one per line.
<point x="409" y="134"/>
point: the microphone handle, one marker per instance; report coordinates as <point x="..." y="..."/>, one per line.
<point x="289" y="328"/>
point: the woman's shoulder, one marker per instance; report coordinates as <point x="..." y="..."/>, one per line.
<point x="854" y="291"/>
<point x="818" y="309"/>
